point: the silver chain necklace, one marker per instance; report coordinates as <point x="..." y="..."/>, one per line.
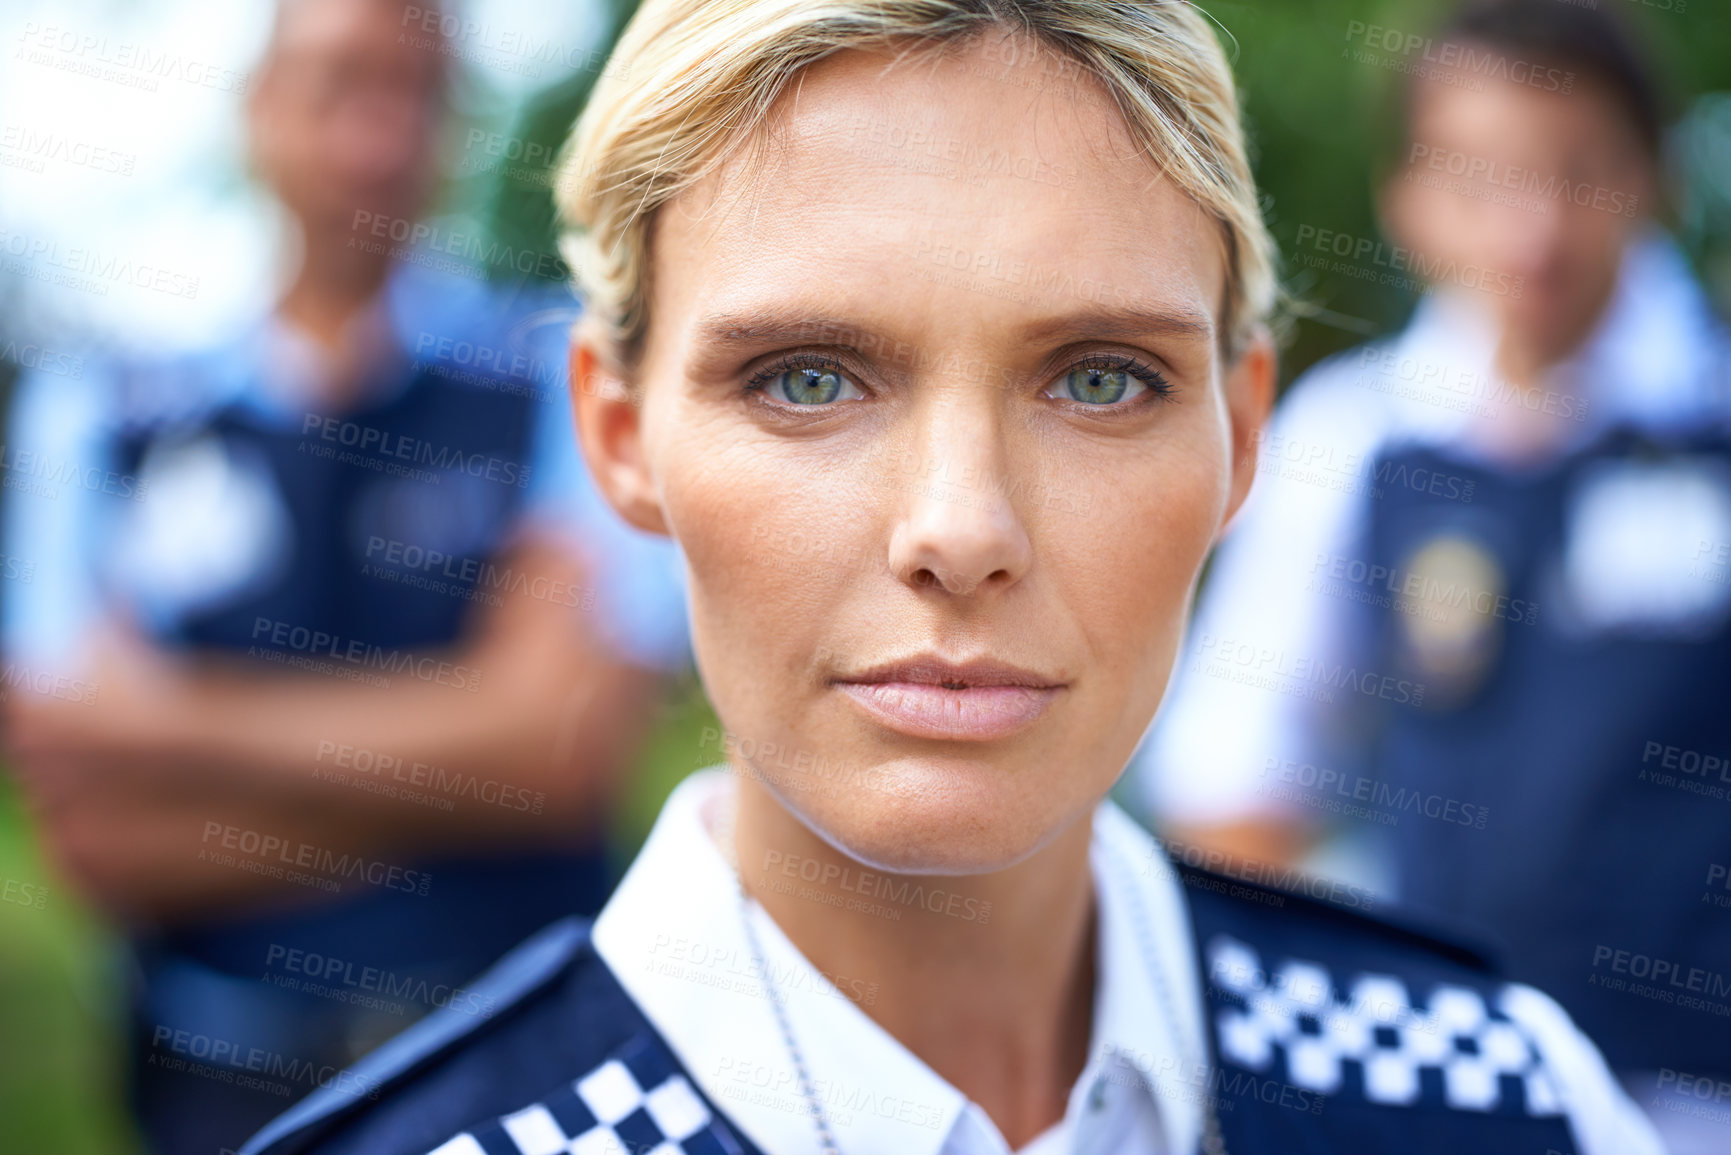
<point x="825" y="1136"/>
<point x="807" y="1090"/>
<point x="1213" y="1143"/>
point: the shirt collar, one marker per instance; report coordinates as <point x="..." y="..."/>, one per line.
<point x="1658" y="354"/>
<point x="293" y="368"/>
<point x="672" y="935"/>
<point x="1148" y="1028"/>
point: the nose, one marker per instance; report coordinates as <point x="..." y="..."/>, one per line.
<point x="958" y="528"/>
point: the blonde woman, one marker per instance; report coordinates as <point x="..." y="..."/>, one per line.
<point x="931" y="330"/>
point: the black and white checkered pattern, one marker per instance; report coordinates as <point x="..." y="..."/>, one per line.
<point x="635" y="1103"/>
<point x="1298" y="1012"/>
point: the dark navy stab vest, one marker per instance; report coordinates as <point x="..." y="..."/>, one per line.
<point x="1567" y="790"/>
<point x="392" y="517"/>
<point x="1330" y="1032"/>
<point x="438" y="468"/>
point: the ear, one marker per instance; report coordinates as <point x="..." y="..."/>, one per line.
<point x="1249" y="396"/>
<point x="608" y="408"/>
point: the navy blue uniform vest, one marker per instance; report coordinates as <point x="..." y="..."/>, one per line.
<point x="438" y="466"/>
<point x="437" y="463"/>
<point x="1282" y="972"/>
<point x="1552" y="811"/>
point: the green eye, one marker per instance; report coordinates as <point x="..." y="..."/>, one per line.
<point x="1098" y="386"/>
<point x="810" y="386"/>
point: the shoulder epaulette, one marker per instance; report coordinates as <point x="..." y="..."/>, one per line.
<point x="1396" y="928"/>
<point x="513" y="979"/>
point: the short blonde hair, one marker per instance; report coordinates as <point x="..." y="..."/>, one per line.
<point x="690" y="79"/>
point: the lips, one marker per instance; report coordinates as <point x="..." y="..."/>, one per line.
<point x="979" y="701"/>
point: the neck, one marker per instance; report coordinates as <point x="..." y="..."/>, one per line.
<point x="334" y="286"/>
<point x="1524" y="429"/>
<point x="335" y="282"/>
<point x="1522" y="364"/>
<point x="989" y="978"/>
<point x="1525" y="352"/>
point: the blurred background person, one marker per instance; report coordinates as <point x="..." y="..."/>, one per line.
<point x="1469" y="639"/>
<point x="331" y="663"/>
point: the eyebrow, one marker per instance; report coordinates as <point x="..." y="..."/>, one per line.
<point x="1124" y="322"/>
<point x="768" y="326"/>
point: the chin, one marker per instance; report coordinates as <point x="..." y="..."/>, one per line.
<point x="939" y="815"/>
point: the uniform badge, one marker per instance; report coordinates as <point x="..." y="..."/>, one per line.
<point x="1451" y="602"/>
<point x="1645" y="549"/>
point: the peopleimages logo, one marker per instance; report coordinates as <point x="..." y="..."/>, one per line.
<point x="394" y="447"/>
<point x="230" y="1057"/>
<point x="1260" y="666"/>
<point x="330" y="970"/>
<point x="90" y="270"/>
<point x="45" y="476"/>
<point x="1392" y="801"/>
<point x="41" y="359"/>
<point x="476" y="248"/>
<point x="1468" y="61"/>
<point x="370" y="763"/>
<point x="1668" y="980"/>
<point x="1361" y="257"/>
<point x="1288" y="879"/>
<point x="31" y="894"/>
<point x="303" y="855"/>
<point x="135" y="65"/>
<point x="1695" y="1086"/>
<point x="879" y="886"/>
<point x="1692" y="771"/>
<point x="1523" y="180"/>
<point x="35" y="149"/>
<point x="291" y="640"/>
<point x="1418" y="588"/>
<point x="46" y="684"/>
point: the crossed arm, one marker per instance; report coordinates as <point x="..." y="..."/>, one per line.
<point x="172" y="758"/>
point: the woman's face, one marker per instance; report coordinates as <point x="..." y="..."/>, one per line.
<point x="933" y="402"/>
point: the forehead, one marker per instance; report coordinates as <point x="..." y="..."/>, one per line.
<point x="1502" y="113"/>
<point x="324" y="27"/>
<point x="988" y="182"/>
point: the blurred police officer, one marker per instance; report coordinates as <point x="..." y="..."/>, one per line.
<point x="331" y="662"/>
<point x="1478" y="612"/>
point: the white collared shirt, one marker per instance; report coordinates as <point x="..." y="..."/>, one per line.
<point x="673" y="936"/>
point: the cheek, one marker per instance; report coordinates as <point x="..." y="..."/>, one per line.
<point x="1129" y="568"/>
<point x="1599" y="238"/>
<point x="770" y="551"/>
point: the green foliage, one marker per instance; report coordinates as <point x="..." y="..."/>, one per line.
<point x="1324" y="124"/>
<point x="61" y="996"/>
